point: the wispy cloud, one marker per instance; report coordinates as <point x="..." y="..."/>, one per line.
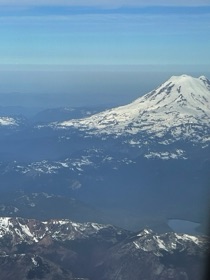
<point x="69" y="11"/>
<point x="103" y="32"/>
<point x="105" y="3"/>
<point x="151" y="24"/>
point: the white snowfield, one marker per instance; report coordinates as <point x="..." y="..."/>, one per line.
<point x="148" y="241"/>
<point x="179" y="107"/>
<point x="30" y="230"/>
<point x="6" y="121"/>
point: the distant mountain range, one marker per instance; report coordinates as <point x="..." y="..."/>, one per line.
<point x="68" y="174"/>
<point x="135" y="163"/>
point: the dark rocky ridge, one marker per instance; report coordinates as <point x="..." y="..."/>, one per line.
<point x="62" y="249"/>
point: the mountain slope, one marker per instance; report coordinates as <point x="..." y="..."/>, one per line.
<point x="147" y="255"/>
<point x="180" y="101"/>
<point x="57" y="249"/>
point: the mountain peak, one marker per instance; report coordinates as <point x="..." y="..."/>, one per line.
<point x="184" y="94"/>
<point x="183" y="77"/>
<point x="187" y="83"/>
<point x="187" y="77"/>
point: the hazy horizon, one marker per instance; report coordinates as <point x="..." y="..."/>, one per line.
<point x="89" y="85"/>
<point x="91" y="52"/>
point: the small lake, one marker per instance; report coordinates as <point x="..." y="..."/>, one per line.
<point x="183" y="226"/>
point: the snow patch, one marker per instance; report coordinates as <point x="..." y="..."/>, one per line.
<point x="6" y="121"/>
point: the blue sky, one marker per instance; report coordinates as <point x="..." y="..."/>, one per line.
<point x="129" y="32"/>
<point x="53" y="34"/>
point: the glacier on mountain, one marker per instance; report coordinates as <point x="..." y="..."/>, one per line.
<point x="182" y="100"/>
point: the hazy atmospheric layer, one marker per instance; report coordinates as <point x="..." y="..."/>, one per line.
<point x="50" y="46"/>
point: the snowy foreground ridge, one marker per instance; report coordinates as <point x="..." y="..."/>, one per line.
<point x="182" y="100"/>
<point x="26" y="230"/>
<point x="32" y="231"/>
<point x="62" y="249"/>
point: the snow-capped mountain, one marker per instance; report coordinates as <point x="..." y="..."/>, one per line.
<point x="153" y="256"/>
<point x="179" y="107"/>
<point x="55" y="248"/>
<point x="32" y="231"/>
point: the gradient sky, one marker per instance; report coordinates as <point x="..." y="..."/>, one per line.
<point x="52" y="35"/>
